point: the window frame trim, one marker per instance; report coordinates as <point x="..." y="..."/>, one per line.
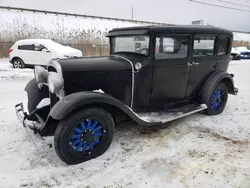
<point x="214" y="49"/>
<point x="112" y="45"/>
<point x="18" y="47"/>
<point x="228" y="47"/>
<point x="189" y="37"/>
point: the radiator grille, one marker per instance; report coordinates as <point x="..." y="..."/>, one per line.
<point x="115" y="83"/>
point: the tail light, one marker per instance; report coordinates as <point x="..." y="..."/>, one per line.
<point x="10" y="50"/>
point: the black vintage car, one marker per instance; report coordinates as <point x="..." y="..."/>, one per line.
<point x="172" y="71"/>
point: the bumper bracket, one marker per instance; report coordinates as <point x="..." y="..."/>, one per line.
<point x="22" y="116"/>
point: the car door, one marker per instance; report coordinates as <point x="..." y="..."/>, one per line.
<point x="41" y="55"/>
<point x="25" y="52"/>
<point x="170" y="69"/>
<point x="204" y="62"/>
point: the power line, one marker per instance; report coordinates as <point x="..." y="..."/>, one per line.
<point x="221" y="6"/>
<point x="80" y="15"/>
<point x="232" y="3"/>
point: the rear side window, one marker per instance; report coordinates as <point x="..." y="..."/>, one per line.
<point x="171" y="47"/>
<point x="223" y="46"/>
<point x="204" y="46"/>
<point x="25" y="47"/>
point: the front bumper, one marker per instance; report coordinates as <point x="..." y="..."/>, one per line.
<point x="30" y="126"/>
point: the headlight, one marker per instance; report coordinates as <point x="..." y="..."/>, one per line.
<point x="41" y="75"/>
<point x="55" y="82"/>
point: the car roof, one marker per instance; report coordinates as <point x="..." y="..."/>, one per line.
<point x="183" y="29"/>
<point x="28" y="41"/>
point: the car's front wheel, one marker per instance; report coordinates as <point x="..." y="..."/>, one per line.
<point x="18" y="63"/>
<point x="216" y="100"/>
<point x="84" y="135"/>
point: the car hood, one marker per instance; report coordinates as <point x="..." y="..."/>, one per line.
<point x="69" y="52"/>
<point x="94" y="63"/>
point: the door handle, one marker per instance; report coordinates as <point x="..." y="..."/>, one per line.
<point x="193" y="63"/>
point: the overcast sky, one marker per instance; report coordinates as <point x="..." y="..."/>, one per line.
<point x="169" y="11"/>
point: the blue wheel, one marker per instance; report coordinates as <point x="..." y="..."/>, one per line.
<point x="84" y="135"/>
<point x="217" y="100"/>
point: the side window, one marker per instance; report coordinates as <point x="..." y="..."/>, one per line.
<point x="26" y="47"/>
<point x="171" y="47"/>
<point x="223" y="46"/>
<point x="204" y="46"/>
<point x="39" y="47"/>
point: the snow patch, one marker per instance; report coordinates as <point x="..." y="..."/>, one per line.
<point x="197" y="151"/>
<point x="7" y="72"/>
<point x="99" y="91"/>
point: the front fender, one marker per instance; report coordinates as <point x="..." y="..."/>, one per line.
<point x="218" y="77"/>
<point x="75" y="101"/>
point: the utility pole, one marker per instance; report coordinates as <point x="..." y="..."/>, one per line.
<point x="132" y="13"/>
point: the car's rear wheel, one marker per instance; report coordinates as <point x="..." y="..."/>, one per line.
<point x="216" y="100"/>
<point x="18" y="63"/>
<point x="84" y="135"/>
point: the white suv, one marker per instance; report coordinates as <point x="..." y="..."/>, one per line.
<point x="31" y="52"/>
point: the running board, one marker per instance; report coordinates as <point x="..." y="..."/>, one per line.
<point x="170" y="115"/>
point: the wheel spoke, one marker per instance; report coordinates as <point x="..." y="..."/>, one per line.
<point x="94" y="124"/>
<point x="83" y="126"/>
<point x="79" y="146"/>
<point x="91" y="147"/>
<point x="98" y="134"/>
<point x="98" y="128"/>
<point x="15" y="64"/>
<point x="78" y="136"/>
<point x="89" y="124"/>
<point x="76" y="142"/>
<point x="78" y="130"/>
<point x="84" y="147"/>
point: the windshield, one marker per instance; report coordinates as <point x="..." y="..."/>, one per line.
<point x="136" y="44"/>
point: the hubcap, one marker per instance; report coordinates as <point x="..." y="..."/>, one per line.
<point x="86" y="136"/>
<point x="17" y="64"/>
<point x="217" y="99"/>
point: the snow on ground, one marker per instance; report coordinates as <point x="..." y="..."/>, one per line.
<point x="7" y="72"/>
<point x="196" y="151"/>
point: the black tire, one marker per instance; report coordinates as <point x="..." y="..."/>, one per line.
<point x="18" y="63"/>
<point x="63" y="142"/>
<point x="214" y="102"/>
<point x="35" y="94"/>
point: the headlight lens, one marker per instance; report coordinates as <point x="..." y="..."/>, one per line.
<point x="51" y="85"/>
<point x="55" y="82"/>
<point x="41" y="74"/>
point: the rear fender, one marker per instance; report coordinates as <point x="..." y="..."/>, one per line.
<point x="79" y="100"/>
<point x="218" y="77"/>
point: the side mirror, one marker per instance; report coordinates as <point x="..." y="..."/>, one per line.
<point x="45" y="50"/>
